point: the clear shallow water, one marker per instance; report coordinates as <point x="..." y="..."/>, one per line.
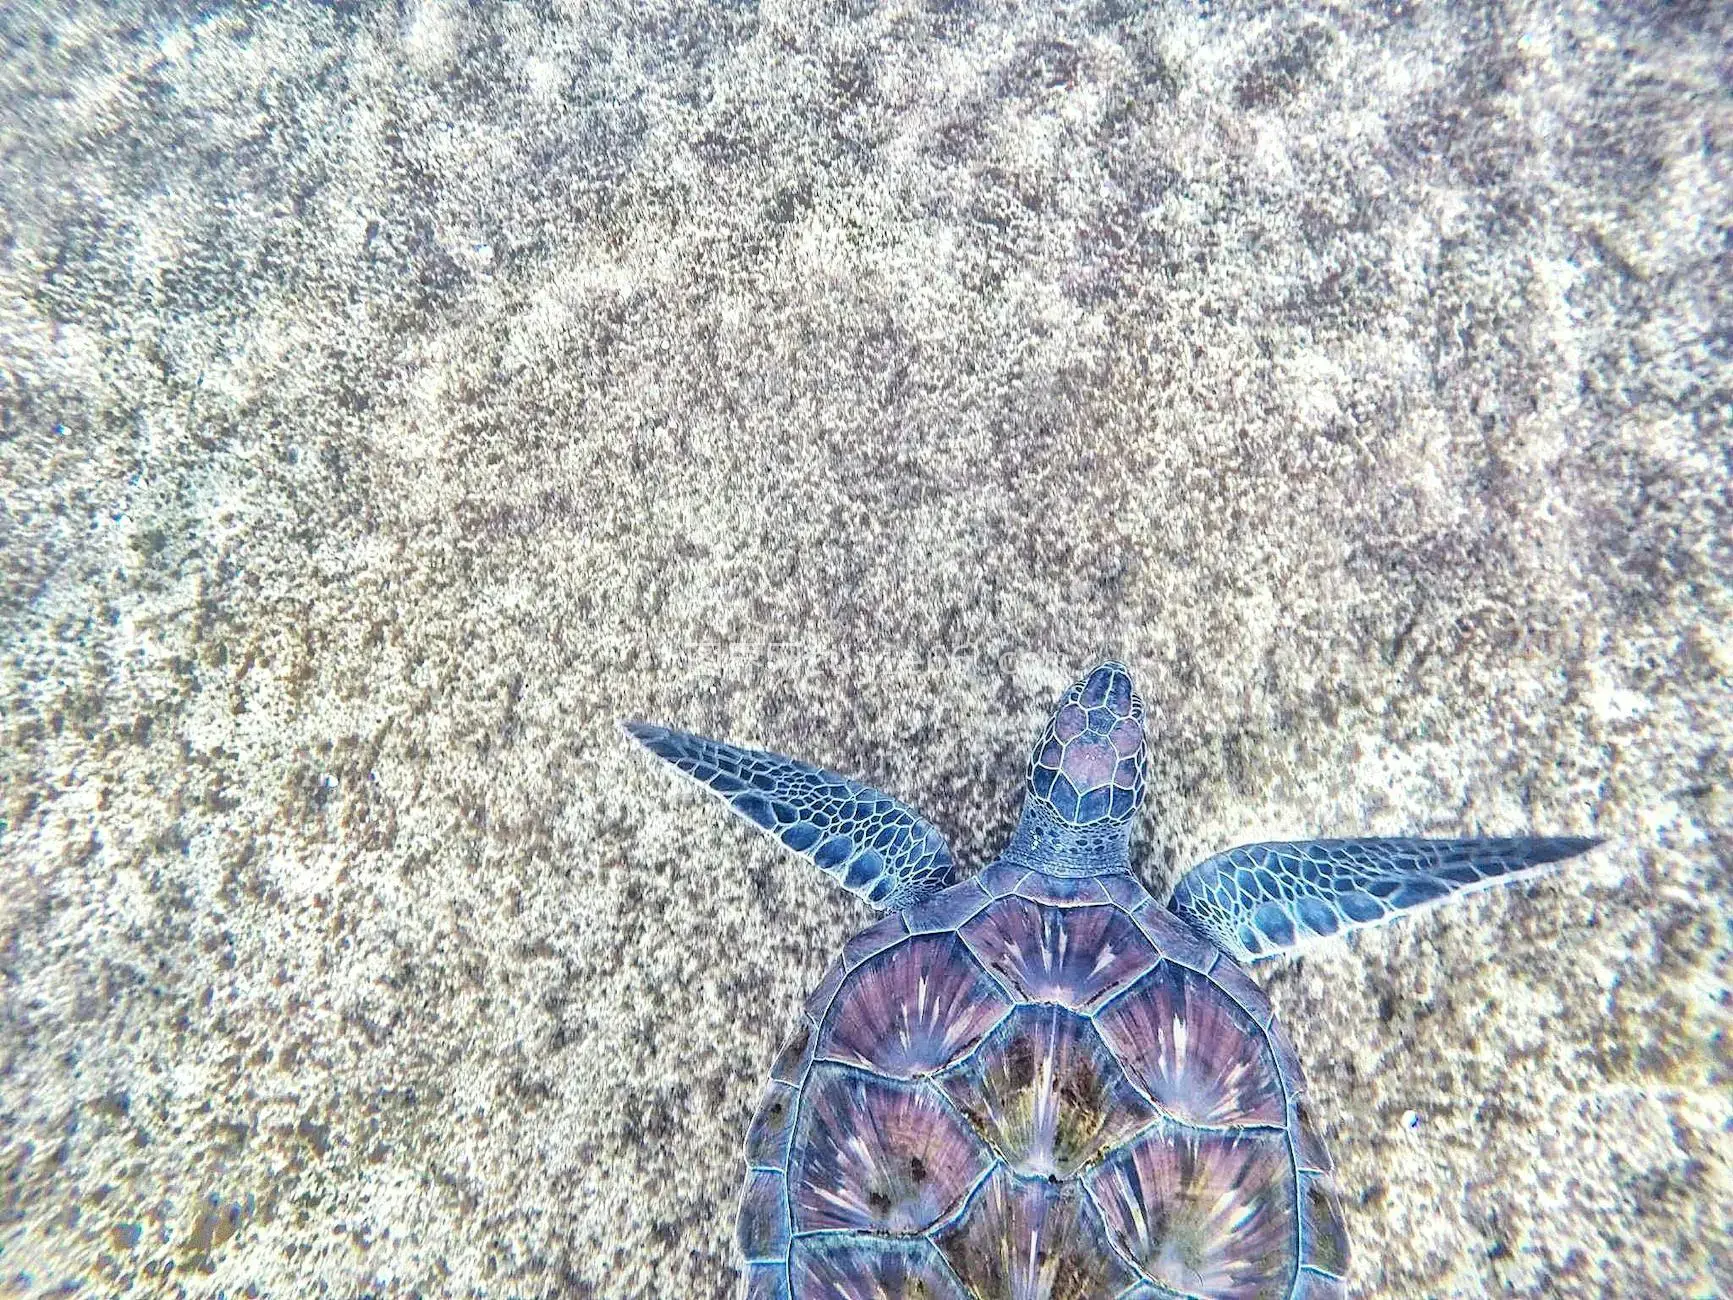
<point x="392" y="402"/>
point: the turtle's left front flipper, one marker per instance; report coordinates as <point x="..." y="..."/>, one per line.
<point x="1260" y="899"/>
<point x="871" y="844"/>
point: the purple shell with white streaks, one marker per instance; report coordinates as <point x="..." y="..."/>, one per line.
<point x="1037" y="1089"/>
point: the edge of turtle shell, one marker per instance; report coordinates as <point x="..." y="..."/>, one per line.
<point x="1320" y="1249"/>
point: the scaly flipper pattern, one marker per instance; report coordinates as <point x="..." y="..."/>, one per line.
<point x="1261" y="899"/>
<point x="871" y="844"/>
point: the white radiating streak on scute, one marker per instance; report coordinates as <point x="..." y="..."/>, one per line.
<point x="1074" y="956"/>
<point x="879" y="1156"/>
<point x="1046" y="1116"/>
<point x="1045" y="1093"/>
<point x="1029" y="1238"/>
<point x="1103" y="962"/>
<point x="912" y="1009"/>
<point x="1201" y="1212"/>
<point x="1193" y="1051"/>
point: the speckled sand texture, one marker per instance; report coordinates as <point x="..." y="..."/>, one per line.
<point x="391" y="399"/>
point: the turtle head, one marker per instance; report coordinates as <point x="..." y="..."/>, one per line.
<point x="1088" y="766"/>
<point x="1086" y="777"/>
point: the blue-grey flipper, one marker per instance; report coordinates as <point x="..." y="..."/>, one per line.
<point x="870" y="843"/>
<point x="1260" y="899"/>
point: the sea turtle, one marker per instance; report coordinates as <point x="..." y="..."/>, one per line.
<point x="1040" y="1082"/>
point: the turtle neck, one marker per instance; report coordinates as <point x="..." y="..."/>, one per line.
<point x="1060" y="848"/>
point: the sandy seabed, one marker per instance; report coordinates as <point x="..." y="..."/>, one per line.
<point x="393" y="398"/>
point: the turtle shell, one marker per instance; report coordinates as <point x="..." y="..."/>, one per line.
<point x="1031" y="1086"/>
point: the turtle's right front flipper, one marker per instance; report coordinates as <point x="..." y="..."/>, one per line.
<point x="871" y="844"/>
<point x="1261" y="899"/>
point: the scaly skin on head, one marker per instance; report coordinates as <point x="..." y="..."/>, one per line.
<point x="1086" y="780"/>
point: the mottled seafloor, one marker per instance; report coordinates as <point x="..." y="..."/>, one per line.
<point x="392" y="399"/>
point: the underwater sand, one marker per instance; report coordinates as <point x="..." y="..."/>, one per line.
<point x="392" y="401"/>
